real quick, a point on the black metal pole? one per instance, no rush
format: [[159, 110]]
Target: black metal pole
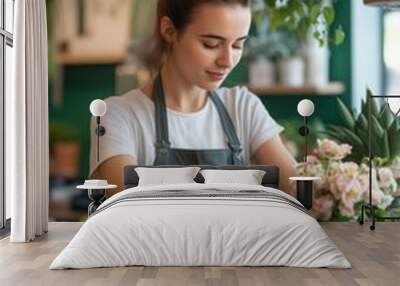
[[370, 155], [305, 138], [98, 137]]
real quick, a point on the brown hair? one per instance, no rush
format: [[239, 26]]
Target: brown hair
[[180, 13]]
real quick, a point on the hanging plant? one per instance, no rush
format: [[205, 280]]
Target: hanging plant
[[300, 16]]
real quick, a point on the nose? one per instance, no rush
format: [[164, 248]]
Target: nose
[[225, 59]]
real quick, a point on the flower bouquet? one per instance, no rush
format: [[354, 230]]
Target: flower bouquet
[[344, 185]]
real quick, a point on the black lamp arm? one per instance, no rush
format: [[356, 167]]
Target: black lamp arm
[[100, 131], [303, 131]]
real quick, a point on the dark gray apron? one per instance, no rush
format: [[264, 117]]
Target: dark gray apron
[[165, 155]]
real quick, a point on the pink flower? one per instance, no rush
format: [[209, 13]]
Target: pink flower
[[312, 159], [346, 209], [330, 149], [352, 193], [323, 207], [350, 169]]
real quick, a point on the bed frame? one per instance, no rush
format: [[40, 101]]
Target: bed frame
[[270, 179]]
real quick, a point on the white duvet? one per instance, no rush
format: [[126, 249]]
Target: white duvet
[[183, 231]]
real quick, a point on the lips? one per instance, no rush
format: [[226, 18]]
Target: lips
[[216, 75]]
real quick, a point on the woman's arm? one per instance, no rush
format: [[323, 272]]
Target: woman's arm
[[112, 170], [274, 152]]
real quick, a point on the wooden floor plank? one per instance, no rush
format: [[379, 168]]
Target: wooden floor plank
[[375, 257]]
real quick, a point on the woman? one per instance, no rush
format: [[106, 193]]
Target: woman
[[182, 117]]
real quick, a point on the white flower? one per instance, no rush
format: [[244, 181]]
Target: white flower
[[396, 171], [386, 179], [281, 3], [386, 200], [377, 197]]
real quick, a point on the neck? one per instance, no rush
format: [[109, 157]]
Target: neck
[[179, 94]]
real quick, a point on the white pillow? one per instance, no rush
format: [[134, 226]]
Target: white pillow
[[163, 176], [248, 177]]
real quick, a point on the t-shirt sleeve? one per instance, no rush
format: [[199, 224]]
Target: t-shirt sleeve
[[261, 125], [120, 136]]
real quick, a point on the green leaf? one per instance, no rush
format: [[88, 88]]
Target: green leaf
[[377, 130], [385, 148], [316, 35], [394, 139], [303, 29], [387, 117], [364, 108], [347, 136], [329, 14], [339, 36], [362, 122], [292, 24], [315, 12], [299, 8], [338, 136], [374, 104], [345, 114], [270, 3], [363, 135]]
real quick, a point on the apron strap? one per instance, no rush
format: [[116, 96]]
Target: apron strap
[[162, 135], [229, 128]]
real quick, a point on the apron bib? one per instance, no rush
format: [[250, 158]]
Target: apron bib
[[165, 155]]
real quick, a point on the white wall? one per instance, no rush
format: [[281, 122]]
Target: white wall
[[367, 41]]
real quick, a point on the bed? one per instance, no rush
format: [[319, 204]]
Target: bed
[[198, 224]]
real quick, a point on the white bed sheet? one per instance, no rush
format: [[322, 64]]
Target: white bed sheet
[[200, 231]]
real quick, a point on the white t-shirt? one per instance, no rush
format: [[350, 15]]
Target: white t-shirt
[[130, 126]]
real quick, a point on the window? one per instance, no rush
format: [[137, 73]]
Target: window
[[6, 62], [391, 55]]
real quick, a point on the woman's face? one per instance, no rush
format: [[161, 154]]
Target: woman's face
[[211, 45]]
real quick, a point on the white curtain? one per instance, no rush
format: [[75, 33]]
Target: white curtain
[[27, 144]]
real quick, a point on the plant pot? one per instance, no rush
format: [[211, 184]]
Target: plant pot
[[291, 71], [65, 160], [317, 62], [262, 72]]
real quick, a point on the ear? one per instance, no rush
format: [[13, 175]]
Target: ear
[[168, 30]]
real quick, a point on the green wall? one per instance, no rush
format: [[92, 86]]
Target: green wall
[[82, 84]]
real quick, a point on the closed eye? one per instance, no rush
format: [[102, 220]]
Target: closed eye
[[210, 45], [239, 45]]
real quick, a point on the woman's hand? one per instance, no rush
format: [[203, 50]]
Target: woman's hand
[[274, 152], [112, 170]]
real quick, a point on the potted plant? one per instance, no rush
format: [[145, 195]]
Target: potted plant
[[273, 56], [385, 131], [65, 150], [289, 58], [280, 31], [300, 17]]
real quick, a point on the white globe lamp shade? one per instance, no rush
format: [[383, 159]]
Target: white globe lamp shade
[[98, 107], [305, 107]]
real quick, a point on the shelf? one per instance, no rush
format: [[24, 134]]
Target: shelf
[[333, 88], [88, 59]]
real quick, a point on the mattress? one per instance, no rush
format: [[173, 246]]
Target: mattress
[[201, 225]]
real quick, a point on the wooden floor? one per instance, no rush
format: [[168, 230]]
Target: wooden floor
[[375, 257]]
